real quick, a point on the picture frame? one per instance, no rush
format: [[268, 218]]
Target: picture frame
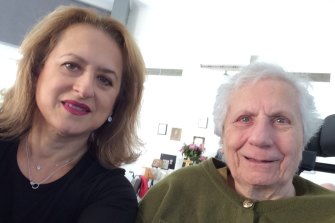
[[157, 163], [169, 161], [175, 134], [162, 128], [197, 140], [203, 122], [165, 165]]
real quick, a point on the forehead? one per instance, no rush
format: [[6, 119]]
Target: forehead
[[83, 38], [78, 29], [267, 94], [77, 34]]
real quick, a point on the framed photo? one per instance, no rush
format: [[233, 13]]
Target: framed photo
[[175, 134], [157, 163], [162, 129], [203, 122], [197, 140], [165, 165], [169, 161]]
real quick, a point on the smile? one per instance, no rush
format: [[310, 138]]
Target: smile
[[76, 108], [259, 161]]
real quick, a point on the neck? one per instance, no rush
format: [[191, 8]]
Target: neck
[[55, 148], [262, 192]]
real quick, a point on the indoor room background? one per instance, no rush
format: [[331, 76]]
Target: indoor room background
[[184, 43]]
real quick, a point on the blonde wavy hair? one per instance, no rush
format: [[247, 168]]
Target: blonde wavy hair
[[114, 144]]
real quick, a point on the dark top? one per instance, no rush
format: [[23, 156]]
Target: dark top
[[87, 193]]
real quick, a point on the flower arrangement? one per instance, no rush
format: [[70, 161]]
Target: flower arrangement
[[193, 152]]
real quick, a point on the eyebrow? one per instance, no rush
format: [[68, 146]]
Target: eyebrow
[[101, 69], [106, 70], [274, 113]]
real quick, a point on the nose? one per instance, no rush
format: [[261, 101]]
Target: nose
[[262, 134], [84, 85]]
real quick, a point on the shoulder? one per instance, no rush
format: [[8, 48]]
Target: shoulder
[[188, 175], [197, 173], [8, 143], [186, 180], [94, 182], [103, 179], [199, 185], [6, 146], [108, 194], [191, 175], [305, 187]]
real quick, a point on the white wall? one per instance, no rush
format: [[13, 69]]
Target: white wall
[[185, 33], [8, 61], [174, 32], [178, 102]]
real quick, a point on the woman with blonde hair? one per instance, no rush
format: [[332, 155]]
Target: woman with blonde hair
[[70, 121]]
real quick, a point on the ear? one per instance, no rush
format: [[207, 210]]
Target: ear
[[36, 70]]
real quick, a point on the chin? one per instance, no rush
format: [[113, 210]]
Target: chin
[[72, 132], [260, 180]]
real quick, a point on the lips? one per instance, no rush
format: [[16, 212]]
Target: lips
[[259, 160], [76, 108]]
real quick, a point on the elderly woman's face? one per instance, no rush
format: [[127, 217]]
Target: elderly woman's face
[[80, 81], [263, 134]]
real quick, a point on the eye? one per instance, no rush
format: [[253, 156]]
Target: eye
[[104, 80], [73, 67], [281, 120], [245, 119]]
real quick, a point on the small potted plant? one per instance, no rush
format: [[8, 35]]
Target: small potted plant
[[192, 153]]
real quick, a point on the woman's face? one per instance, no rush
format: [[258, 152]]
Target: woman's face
[[79, 82], [263, 134]]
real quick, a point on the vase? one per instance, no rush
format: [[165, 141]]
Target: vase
[[187, 162]]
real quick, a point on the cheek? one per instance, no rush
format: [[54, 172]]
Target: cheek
[[48, 82], [233, 140], [296, 153], [291, 147], [106, 102], [41, 90], [47, 91], [291, 144]]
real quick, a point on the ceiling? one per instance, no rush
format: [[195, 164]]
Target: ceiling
[[104, 4], [177, 33], [295, 34]]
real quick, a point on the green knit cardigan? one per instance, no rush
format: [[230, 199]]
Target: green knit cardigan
[[200, 194]]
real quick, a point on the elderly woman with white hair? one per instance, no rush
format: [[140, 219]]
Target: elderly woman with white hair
[[265, 117]]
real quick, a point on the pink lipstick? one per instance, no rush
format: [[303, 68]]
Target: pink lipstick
[[76, 108]]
